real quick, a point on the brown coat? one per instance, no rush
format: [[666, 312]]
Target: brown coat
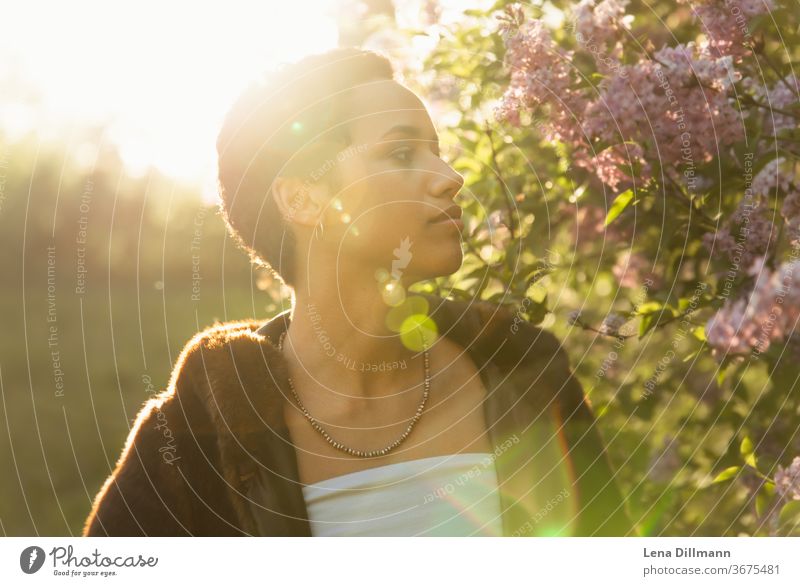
[[211, 455]]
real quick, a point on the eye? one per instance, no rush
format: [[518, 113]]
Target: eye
[[403, 154]]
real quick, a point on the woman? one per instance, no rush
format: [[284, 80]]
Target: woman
[[365, 409]]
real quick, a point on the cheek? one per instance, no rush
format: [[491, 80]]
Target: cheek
[[384, 232], [388, 184], [387, 202], [384, 208], [391, 221]]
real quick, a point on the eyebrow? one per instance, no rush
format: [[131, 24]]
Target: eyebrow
[[413, 132], [409, 131]]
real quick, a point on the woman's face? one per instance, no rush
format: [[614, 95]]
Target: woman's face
[[392, 211]]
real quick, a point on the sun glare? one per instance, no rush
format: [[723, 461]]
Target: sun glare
[[160, 74]]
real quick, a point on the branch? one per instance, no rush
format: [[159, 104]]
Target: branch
[[690, 202], [781, 77], [503, 186], [622, 337], [750, 100]]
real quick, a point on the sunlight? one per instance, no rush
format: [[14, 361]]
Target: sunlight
[[160, 74]]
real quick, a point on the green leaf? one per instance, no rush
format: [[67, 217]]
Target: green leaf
[[460, 293], [726, 474], [537, 293], [746, 446], [620, 203], [653, 313], [761, 504], [722, 372], [649, 307], [700, 333], [688, 357], [648, 323], [746, 450], [763, 500], [790, 513]]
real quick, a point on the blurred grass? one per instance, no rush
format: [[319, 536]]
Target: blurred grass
[[59, 450], [140, 239]]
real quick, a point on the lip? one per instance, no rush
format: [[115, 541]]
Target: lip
[[450, 222], [451, 214]]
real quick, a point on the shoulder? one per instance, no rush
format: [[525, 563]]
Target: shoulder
[[215, 343], [211, 369], [219, 335]]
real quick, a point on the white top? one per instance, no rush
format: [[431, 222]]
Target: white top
[[451, 495]]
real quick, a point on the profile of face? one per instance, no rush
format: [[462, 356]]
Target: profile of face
[[391, 210]]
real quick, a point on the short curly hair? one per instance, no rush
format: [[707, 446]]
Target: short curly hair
[[281, 125]]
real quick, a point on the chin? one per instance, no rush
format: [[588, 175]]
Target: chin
[[440, 263], [454, 264]]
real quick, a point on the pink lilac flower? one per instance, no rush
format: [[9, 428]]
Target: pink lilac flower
[[632, 269], [748, 234], [599, 22], [653, 110], [499, 231], [662, 109], [791, 214], [432, 12], [511, 19], [782, 95], [758, 266], [617, 165], [770, 313], [540, 77], [771, 177], [494, 233], [787, 481], [589, 225], [447, 88], [751, 230], [612, 324], [724, 23], [684, 63], [588, 219], [730, 331]]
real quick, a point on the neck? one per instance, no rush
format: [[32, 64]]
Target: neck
[[338, 337]]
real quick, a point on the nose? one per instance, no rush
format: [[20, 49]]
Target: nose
[[446, 182]]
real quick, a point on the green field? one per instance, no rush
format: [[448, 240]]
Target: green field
[[63, 442]]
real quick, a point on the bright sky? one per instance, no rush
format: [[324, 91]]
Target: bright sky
[[162, 73]]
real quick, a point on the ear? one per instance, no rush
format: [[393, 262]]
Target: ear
[[299, 201]]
